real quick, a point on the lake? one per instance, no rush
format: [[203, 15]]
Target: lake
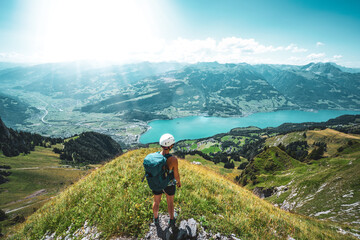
[[200, 127]]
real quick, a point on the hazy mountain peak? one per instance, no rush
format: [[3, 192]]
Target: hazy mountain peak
[[321, 68]]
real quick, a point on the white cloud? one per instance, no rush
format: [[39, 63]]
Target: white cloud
[[316, 56], [295, 49], [230, 49], [246, 46], [225, 50], [12, 57], [318, 44], [335, 57]]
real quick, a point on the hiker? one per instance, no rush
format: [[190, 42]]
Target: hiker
[[167, 142]]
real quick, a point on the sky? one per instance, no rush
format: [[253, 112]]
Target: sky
[[256, 31]]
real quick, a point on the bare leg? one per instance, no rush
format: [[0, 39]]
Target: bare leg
[[157, 199], [170, 204]]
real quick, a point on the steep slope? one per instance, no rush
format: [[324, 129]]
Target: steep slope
[[114, 199], [89, 147], [326, 188], [12, 143], [14, 111], [349, 81], [268, 162], [319, 86]]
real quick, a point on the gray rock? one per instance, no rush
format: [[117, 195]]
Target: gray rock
[[217, 236], [202, 235], [233, 237], [160, 231], [263, 192], [183, 233], [187, 229], [68, 237], [192, 225]]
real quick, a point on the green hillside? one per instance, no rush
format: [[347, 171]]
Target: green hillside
[[114, 199], [268, 162], [326, 188], [34, 179]]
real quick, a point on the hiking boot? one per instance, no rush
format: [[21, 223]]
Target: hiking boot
[[172, 222], [156, 221]]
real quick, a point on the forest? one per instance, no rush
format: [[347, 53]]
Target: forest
[[88, 148]]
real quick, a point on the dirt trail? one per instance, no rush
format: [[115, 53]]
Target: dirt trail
[[16, 209]]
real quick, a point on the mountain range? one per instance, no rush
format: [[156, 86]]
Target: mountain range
[[66, 96], [237, 89]]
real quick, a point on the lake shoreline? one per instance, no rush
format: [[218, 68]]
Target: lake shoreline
[[196, 127]]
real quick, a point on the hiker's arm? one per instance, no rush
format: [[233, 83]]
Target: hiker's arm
[[176, 173]]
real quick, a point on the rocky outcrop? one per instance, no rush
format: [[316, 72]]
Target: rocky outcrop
[[263, 192], [86, 233], [186, 229]]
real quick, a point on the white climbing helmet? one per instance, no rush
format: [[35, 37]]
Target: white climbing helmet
[[167, 140]]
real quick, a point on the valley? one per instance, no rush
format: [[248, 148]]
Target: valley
[[63, 99], [294, 185], [294, 166], [35, 179]]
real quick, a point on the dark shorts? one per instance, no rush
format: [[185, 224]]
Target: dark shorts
[[169, 190]]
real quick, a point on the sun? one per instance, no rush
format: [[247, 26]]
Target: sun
[[93, 29]]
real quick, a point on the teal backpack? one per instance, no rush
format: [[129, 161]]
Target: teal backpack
[[155, 171]]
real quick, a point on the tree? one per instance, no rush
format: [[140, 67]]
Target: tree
[[229, 165], [243, 165], [317, 153], [2, 215]]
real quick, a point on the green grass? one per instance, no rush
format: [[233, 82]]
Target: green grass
[[72, 138], [320, 186], [285, 139], [226, 138], [44, 157], [153, 145], [115, 200], [274, 159], [194, 146], [30, 173], [212, 149], [218, 168], [25, 182]]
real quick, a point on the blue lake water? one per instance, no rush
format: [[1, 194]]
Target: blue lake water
[[201, 127]]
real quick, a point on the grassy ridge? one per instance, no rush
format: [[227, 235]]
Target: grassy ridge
[[115, 200]]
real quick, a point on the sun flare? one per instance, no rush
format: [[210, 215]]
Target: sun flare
[[83, 29]]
